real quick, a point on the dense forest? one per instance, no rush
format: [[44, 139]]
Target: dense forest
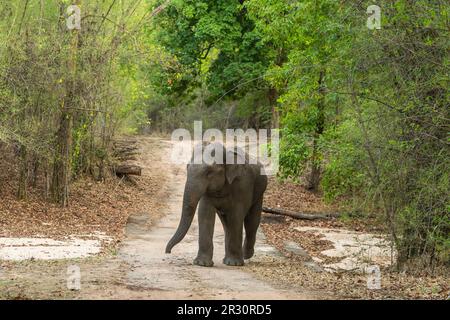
[[362, 104]]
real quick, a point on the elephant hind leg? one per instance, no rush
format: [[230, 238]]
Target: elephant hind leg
[[251, 224]]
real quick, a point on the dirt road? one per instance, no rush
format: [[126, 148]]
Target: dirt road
[[174, 275]]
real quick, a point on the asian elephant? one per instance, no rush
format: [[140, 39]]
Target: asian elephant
[[233, 191]]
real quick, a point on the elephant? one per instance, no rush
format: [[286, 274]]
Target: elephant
[[232, 191]]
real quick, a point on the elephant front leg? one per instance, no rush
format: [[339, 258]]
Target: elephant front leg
[[206, 221], [233, 240]]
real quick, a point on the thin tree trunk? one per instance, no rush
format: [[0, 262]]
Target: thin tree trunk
[[273, 97], [47, 179], [316, 163], [230, 113], [62, 164], [34, 170], [23, 174], [273, 92]]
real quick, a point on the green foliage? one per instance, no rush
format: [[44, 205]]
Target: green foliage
[[344, 172], [363, 114], [191, 30], [51, 77], [215, 55], [378, 128], [293, 153]]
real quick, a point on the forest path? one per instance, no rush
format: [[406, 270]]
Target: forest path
[[173, 275]]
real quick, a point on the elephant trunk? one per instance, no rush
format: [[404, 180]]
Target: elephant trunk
[[190, 201]]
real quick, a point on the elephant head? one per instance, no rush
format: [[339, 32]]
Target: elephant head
[[202, 178]]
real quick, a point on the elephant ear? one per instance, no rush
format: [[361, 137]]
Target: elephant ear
[[235, 168]]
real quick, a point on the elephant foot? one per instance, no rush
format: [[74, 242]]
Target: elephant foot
[[248, 253], [233, 261], [203, 262]]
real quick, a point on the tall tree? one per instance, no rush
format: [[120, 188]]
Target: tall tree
[[217, 46]]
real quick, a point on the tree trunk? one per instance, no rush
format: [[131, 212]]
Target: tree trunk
[[316, 163], [230, 113], [23, 174], [273, 97], [273, 92], [47, 181], [34, 170], [62, 163]]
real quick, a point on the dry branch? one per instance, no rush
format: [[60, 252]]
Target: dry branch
[[298, 215]]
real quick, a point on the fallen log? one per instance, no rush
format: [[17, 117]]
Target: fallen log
[[127, 169], [126, 156], [122, 149], [125, 152], [131, 151], [125, 141], [298, 215]]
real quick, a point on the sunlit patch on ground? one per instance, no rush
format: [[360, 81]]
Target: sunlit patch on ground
[[357, 250], [79, 246]]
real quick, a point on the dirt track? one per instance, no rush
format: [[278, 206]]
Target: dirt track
[[174, 275]]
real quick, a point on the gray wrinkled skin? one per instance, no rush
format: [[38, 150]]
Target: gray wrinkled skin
[[232, 191]]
